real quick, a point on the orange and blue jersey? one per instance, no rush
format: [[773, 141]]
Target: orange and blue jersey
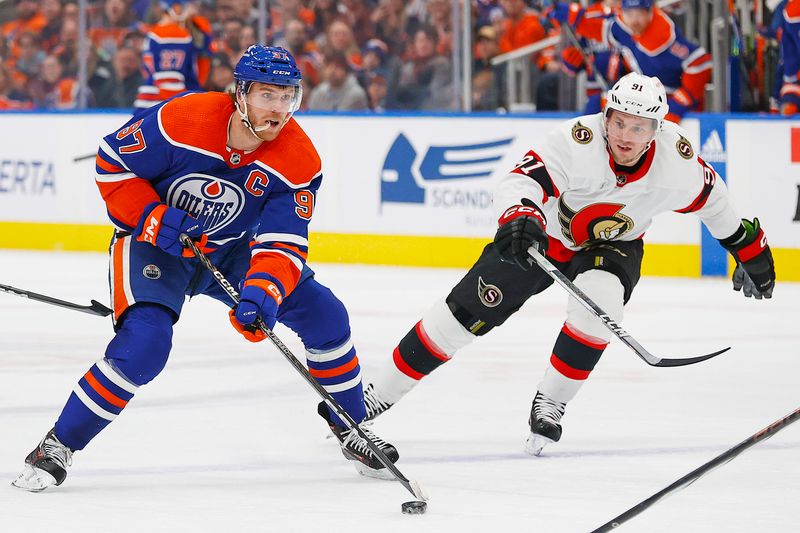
[[177, 153], [683, 67], [175, 59]]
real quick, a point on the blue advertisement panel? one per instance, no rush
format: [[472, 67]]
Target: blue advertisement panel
[[713, 150]]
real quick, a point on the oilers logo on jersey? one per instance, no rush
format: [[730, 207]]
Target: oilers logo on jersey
[[213, 201]]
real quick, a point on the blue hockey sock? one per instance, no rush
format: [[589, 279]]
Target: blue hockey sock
[[339, 374]]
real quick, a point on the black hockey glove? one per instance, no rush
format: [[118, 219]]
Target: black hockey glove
[[755, 268], [521, 227]]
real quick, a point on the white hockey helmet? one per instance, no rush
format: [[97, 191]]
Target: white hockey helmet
[[640, 95]]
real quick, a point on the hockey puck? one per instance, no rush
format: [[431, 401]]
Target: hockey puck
[[415, 507]]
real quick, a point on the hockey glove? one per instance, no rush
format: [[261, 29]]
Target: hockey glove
[[261, 296], [162, 226], [572, 60], [521, 227], [755, 268]]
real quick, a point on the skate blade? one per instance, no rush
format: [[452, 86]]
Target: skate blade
[[536, 443], [33, 479], [381, 473]]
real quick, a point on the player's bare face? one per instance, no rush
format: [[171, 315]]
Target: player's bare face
[[628, 136], [268, 108], [637, 19]]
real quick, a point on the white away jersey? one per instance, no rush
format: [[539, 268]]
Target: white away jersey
[[572, 177]]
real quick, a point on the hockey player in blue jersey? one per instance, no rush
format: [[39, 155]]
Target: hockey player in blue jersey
[[236, 173]]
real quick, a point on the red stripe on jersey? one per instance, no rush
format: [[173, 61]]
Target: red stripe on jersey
[[567, 371], [429, 344], [403, 367], [580, 337], [107, 395], [334, 372], [795, 145]]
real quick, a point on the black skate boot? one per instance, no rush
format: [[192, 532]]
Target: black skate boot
[[544, 421], [375, 405], [46, 465], [356, 449]]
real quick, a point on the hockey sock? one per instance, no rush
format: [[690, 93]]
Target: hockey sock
[[574, 357], [100, 395], [339, 374], [430, 343]]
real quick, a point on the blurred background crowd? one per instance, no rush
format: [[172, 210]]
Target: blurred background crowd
[[433, 55]]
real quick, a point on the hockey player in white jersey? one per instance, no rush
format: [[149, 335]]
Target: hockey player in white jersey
[[585, 196]]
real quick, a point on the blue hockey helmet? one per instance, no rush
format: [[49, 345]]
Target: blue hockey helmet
[[273, 66], [637, 4], [176, 8], [267, 64]]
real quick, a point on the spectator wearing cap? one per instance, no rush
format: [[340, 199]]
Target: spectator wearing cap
[[426, 81], [486, 78], [377, 61], [340, 91]]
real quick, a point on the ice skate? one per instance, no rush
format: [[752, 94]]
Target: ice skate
[[46, 465], [356, 449], [544, 421], [374, 403]]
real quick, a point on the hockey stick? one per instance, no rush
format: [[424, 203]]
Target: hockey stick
[[608, 322], [697, 473], [412, 486], [96, 308], [79, 158]]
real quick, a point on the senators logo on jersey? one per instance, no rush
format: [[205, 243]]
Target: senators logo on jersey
[[594, 223]]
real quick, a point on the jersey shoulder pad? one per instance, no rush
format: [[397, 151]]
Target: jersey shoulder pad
[[659, 35], [676, 142], [291, 156], [199, 120], [582, 131], [202, 24], [792, 11], [162, 32]]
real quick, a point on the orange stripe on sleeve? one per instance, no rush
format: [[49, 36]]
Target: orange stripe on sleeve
[[108, 167]]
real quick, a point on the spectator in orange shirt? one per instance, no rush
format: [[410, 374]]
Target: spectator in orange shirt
[[521, 26], [10, 96], [29, 19]]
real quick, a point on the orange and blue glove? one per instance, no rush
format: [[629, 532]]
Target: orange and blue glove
[[261, 295], [162, 226]]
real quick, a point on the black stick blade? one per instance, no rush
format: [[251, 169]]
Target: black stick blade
[[690, 360]]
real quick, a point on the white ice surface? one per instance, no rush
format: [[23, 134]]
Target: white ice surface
[[227, 438]]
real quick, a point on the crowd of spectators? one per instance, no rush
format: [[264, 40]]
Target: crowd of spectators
[[354, 54]]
